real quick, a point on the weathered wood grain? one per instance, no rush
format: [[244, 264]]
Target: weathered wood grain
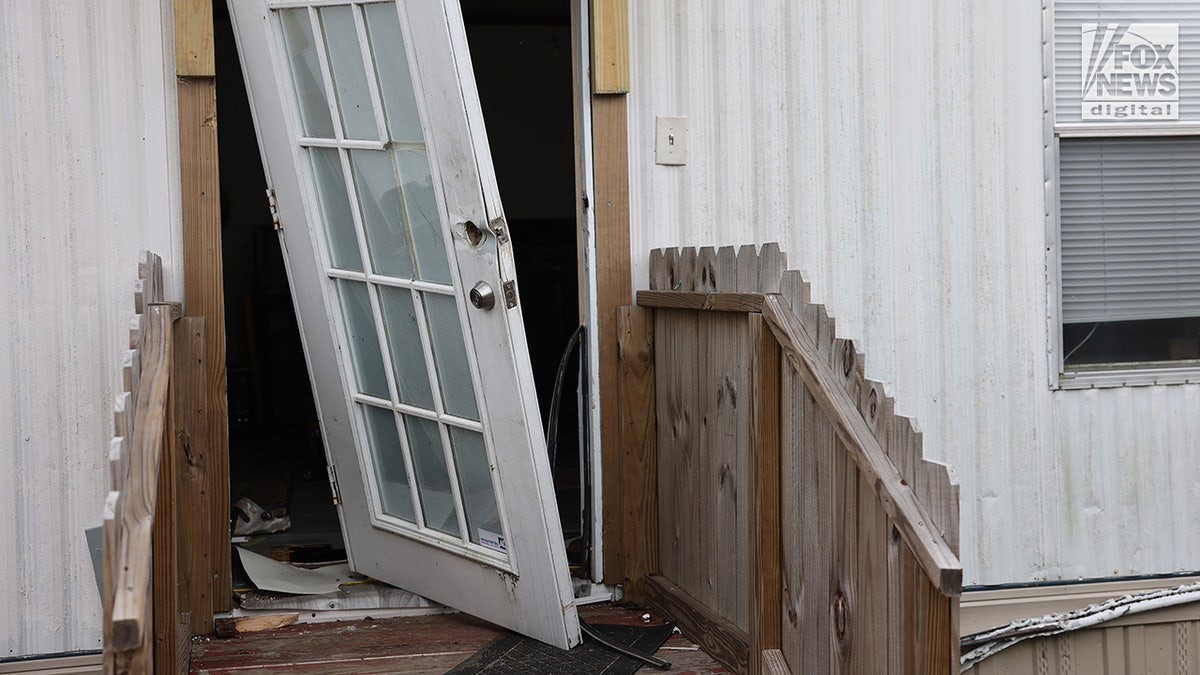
[[747, 270], [771, 264], [659, 273], [774, 663], [166, 588], [715, 634], [706, 301], [677, 403], [635, 355], [726, 364], [764, 565], [911, 517], [133, 589], [613, 290], [190, 449]]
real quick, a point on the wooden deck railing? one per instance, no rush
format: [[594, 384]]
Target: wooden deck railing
[[154, 580], [774, 504]]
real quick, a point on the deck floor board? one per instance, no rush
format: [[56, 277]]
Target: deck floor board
[[411, 645]]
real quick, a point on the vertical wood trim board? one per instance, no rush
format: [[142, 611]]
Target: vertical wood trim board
[[635, 350], [191, 457], [765, 584], [610, 46], [204, 296], [194, 53], [613, 279]]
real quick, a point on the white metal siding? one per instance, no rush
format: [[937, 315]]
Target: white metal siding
[[88, 176], [895, 151]]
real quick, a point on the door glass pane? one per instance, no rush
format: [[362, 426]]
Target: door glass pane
[[384, 440], [364, 343], [382, 213], [433, 481], [404, 338], [391, 65], [475, 485], [306, 73], [349, 79], [454, 371], [335, 209], [420, 205]]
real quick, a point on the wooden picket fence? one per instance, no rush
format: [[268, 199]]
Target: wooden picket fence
[[774, 504], [157, 583]]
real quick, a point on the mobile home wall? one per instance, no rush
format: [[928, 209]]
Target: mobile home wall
[[88, 177], [896, 152]]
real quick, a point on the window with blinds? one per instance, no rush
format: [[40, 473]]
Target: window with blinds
[[1125, 103]]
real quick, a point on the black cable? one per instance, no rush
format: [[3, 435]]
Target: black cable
[[644, 658], [556, 396]]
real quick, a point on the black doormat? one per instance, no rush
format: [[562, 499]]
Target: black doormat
[[519, 655]]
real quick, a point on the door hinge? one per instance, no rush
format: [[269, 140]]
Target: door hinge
[[500, 231], [333, 485], [510, 294], [274, 205]]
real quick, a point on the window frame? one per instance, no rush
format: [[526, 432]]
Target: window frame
[[1097, 375]]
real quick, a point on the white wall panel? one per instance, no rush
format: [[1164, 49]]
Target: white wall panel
[[895, 151], [88, 177]]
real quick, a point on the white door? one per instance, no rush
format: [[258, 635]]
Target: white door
[[402, 274]]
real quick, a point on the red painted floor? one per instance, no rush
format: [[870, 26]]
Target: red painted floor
[[426, 644]]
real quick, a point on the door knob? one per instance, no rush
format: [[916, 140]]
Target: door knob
[[482, 296]]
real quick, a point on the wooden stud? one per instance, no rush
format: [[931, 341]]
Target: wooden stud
[[610, 47], [194, 53], [715, 635], [190, 448], [764, 568], [613, 278], [635, 352], [204, 296]]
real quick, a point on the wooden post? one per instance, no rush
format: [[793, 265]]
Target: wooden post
[[635, 353], [610, 46], [190, 450], [166, 588], [202, 267], [613, 270], [766, 591]]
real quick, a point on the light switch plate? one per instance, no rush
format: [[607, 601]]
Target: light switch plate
[[670, 140]]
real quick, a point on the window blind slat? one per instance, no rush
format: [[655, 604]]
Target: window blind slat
[[1130, 243]]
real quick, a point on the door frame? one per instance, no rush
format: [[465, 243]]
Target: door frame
[[600, 176]]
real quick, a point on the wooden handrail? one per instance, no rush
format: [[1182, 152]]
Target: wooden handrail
[[931, 549], [139, 492]]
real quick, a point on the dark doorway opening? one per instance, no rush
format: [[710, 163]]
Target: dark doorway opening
[[522, 54]]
